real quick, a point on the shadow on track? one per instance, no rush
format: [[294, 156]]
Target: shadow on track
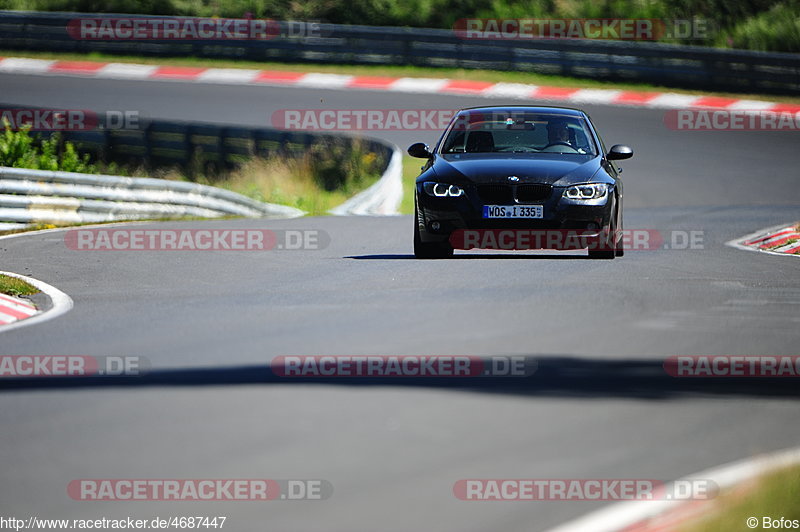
[[473, 256], [561, 377]]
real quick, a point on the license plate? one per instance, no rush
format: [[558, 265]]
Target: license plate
[[513, 211]]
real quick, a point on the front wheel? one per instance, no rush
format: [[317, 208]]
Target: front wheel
[[608, 249], [430, 250]]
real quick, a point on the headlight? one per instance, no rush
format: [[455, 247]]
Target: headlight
[[589, 191], [442, 190]]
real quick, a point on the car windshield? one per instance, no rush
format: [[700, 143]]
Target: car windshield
[[518, 132]]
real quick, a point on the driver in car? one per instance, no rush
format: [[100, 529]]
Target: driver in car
[[557, 131]]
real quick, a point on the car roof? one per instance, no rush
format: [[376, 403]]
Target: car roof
[[527, 108]]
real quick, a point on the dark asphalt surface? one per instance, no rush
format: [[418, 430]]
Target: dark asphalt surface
[[209, 321]]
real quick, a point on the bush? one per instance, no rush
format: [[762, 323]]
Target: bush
[[18, 149], [343, 165], [757, 24], [775, 30]]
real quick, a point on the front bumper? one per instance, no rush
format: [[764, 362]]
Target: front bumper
[[442, 219]]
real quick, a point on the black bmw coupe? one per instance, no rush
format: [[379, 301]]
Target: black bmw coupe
[[519, 177]]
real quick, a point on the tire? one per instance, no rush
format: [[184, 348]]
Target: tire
[[602, 254], [610, 246], [430, 250]]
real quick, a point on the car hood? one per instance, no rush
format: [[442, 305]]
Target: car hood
[[552, 169]]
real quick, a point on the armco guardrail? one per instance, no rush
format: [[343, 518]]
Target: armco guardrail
[[670, 65], [33, 196], [383, 197], [37, 196]]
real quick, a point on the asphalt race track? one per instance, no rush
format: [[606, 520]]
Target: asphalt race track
[[209, 322]]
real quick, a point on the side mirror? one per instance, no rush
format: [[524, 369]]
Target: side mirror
[[420, 150], [619, 152]]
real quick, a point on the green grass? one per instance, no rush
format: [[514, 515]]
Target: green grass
[[16, 287], [411, 170], [293, 182], [789, 243], [494, 76], [775, 495], [32, 227]]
